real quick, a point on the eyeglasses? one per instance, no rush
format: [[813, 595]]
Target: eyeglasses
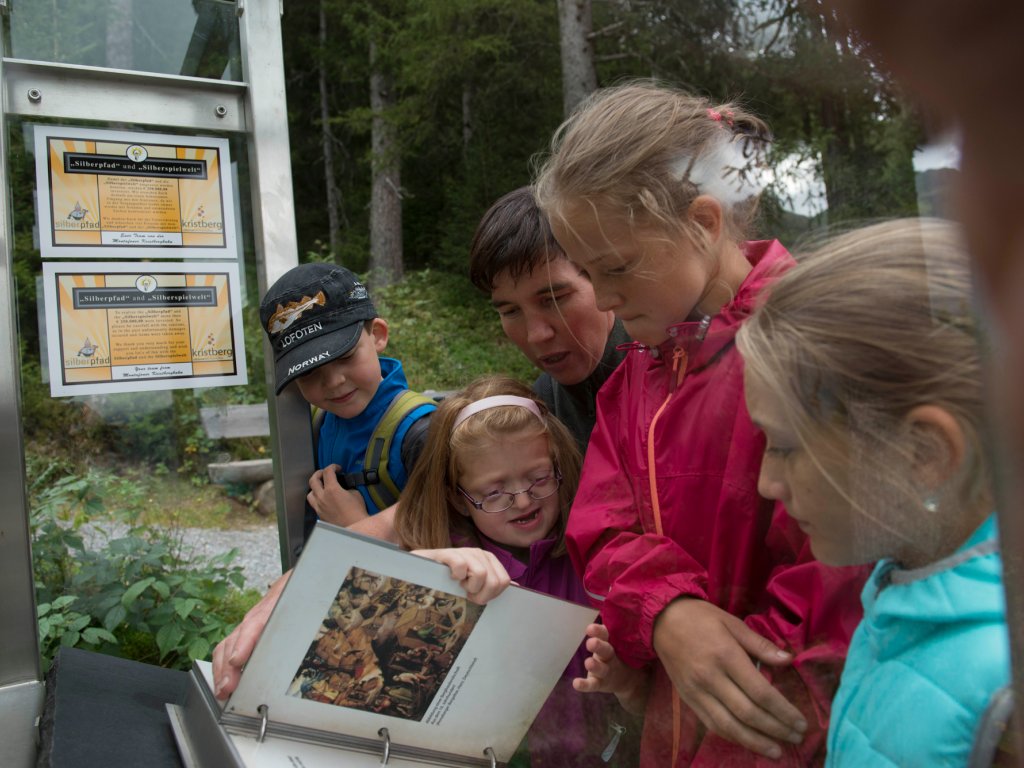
[[499, 501]]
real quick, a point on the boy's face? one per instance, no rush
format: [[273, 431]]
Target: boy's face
[[346, 386], [551, 315]]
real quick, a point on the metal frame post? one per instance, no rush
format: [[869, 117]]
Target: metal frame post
[[277, 251], [21, 692]]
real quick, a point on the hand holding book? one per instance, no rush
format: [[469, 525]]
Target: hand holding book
[[478, 572]]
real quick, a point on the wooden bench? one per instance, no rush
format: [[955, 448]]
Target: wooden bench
[[253, 420], [228, 421]]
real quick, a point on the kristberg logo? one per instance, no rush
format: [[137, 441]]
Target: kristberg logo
[[202, 224], [311, 361]]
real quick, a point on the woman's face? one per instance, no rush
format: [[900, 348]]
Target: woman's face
[[818, 481], [513, 465]]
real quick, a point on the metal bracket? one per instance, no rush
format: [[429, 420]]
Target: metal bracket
[[383, 733], [264, 711]]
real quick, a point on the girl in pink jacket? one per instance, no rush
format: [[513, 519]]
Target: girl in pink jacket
[[706, 588]]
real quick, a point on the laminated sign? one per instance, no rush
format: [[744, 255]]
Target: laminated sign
[[127, 327], [119, 194]]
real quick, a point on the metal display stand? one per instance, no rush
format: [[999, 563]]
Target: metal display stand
[[255, 110]]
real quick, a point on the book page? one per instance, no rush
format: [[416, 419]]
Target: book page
[[368, 636]]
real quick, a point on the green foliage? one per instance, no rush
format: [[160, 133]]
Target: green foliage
[[59, 625], [477, 93], [445, 332], [136, 594]]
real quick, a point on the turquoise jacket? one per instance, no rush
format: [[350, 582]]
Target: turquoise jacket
[[924, 662]]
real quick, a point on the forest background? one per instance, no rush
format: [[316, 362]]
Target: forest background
[[407, 119]]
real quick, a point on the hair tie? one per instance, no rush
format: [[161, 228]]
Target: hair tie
[[717, 116], [495, 401]]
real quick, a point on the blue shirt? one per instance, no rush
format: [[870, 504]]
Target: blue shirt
[[344, 441]]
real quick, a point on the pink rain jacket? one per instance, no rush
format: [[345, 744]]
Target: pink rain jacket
[[720, 541]]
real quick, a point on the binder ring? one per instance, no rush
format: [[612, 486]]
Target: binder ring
[[264, 711], [383, 733], [489, 752]]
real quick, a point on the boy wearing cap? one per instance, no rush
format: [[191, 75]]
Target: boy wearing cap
[[327, 336]]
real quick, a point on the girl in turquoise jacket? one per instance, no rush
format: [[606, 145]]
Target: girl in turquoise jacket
[[863, 369]]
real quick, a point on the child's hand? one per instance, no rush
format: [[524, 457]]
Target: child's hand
[[331, 502], [707, 654], [478, 572], [607, 674]]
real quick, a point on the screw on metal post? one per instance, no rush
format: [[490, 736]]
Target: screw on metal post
[[35, 95], [220, 110]]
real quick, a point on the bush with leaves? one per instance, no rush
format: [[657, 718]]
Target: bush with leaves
[[135, 595]]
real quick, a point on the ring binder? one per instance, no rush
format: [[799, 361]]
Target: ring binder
[[264, 713], [342, 698]]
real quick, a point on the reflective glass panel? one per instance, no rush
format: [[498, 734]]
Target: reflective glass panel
[[197, 38]]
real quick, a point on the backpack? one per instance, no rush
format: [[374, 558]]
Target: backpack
[[374, 475]]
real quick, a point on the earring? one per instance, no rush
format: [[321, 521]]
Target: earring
[[931, 503]]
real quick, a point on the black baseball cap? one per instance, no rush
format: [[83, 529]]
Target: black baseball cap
[[313, 315]]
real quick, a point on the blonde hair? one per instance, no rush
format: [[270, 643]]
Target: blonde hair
[[430, 511], [869, 326], [648, 151]]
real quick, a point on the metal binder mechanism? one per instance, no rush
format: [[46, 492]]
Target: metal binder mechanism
[[264, 711], [383, 733]]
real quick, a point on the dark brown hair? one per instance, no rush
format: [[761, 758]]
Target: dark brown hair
[[512, 236]]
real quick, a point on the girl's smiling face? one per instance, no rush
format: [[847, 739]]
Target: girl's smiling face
[[511, 465], [650, 278]]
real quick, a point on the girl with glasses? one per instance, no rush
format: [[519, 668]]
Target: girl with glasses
[[490, 498]]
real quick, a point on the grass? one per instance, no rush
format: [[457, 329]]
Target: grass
[[446, 333], [179, 501]]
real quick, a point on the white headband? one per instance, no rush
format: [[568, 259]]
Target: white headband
[[493, 402]]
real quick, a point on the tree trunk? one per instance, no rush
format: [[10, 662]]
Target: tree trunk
[[386, 197], [864, 176], [119, 52], [579, 77], [327, 141]]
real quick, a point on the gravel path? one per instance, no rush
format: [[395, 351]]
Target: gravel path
[[258, 552]]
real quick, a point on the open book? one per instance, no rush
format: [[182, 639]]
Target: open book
[[377, 653]]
